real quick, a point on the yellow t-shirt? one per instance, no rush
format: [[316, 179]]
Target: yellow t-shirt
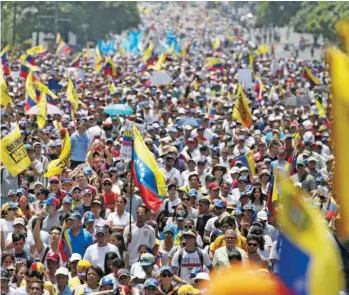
[[74, 282], [220, 242]]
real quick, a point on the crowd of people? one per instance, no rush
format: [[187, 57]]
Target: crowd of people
[[215, 215]]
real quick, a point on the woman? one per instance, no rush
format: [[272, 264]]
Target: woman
[[55, 189], [9, 212], [167, 244], [114, 180], [120, 218], [166, 278], [258, 199], [219, 173], [104, 211], [19, 276], [188, 202], [94, 274], [180, 213], [96, 208], [245, 172], [265, 178], [117, 239], [7, 259], [108, 262], [27, 209], [96, 182]]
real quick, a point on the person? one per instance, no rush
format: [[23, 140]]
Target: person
[[204, 215], [73, 265], [252, 255], [6, 224], [188, 257], [19, 226], [93, 275], [52, 260], [142, 233], [81, 277], [117, 239], [108, 195], [61, 287], [96, 209], [36, 288], [80, 141], [87, 197], [167, 285], [18, 239], [80, 239], [108, 262], [5, 280], [19, 275], [136, 200], [52, 205], [167, 244], [302, 176], [171, 172], [96, 253], [221, 255], [120, 218], [106, 283]]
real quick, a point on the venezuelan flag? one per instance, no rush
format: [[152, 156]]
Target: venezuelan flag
[[27, 63], [214, 64], [308, 75], [305, 268], [76, 62], [146, 174], [332, 210], [110, 68], [292, 160], [270, 193], [63, 48], [149, 57], [4, 60], [64, 245], [41, 50], [248, 161]]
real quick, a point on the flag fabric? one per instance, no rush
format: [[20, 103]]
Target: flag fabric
[[76, 61], [42, 111], [32, 95], [110, 68], [308, 75], [332, 210], [41, 49], [58, 39], [72, 95], [292, 160], [161, 61], [322, 112], [63, 48], [262, 50], [5, 99], [146, 174], [27, 65], [342, 29], [13, 153], [4, 60], [308, 253], [149, 57], [248, 161], [56, 167], [214, 64], [241, 110], [271, 194], [98, 60], [87, 53], [339, 74], [64, 244], [217, 45]]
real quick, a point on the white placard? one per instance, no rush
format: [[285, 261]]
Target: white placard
[[245, 78], [127, 140]]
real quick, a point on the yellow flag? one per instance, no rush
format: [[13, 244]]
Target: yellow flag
[[56, 167], [342, 28], [29, 86], [5, 49], [159, 64], [339, 73], [58, 38], [42, 111], [13, 153], [72, 95], [5, 99], [43, 88], [98, 60], [304, 237], [58, 125], [241, 110], [37, 49]]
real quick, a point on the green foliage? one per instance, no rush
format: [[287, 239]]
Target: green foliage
[[89, 20]]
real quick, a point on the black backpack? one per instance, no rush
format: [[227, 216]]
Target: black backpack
[[162, 215]]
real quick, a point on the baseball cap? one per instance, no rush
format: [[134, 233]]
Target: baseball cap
[[10, 205], [196, 270], [202, 276], [169, 228], [242, 178], [243, 194], [20, 191], [213, 186], [300, 162], [101, 230], [4, 274], [189, 233], [86, 191], [147, 259], [52, 201], [76, 187], [19, 221], [67, 180], [193, 192], [262, 215], [75, 257], [219, 203], [52, 256], [166, 268], [62, 271], [67, 200], [11, 192], [106, 281], [234, 170], [238, 212], [151, 283], [89, 217], [122, 272], [312, 159], [54, 179], [75, 216], [248, 207], [82, 266]]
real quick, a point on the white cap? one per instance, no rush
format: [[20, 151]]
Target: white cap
[[75, 257], [262, 215], [234, 170], [62, 271], [19, 221], [312, 159], [202, 276]]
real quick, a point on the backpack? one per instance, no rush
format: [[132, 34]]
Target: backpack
[[180, 256], [164, 213]]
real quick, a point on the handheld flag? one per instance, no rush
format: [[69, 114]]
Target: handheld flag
[[4, 60], [56, 167], [63, 48], [146, 174], [98, 60], [249, 162], [42, 111], [308, 74], [58, 39], [110, 68], [64, 244], [217, 45], [161, 61], [87, 54], [304, 238], [241, 110], [149, 57], [72, 95], [13, 153], [214, 64], [339, 73], [342, 28], [76, 62], [322, 112], [5, 99], [41, 49], [43, 88]]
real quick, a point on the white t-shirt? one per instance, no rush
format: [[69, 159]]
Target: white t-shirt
[[116, 220], [96, 255], [29, 242], [173, 173], [210, 224], [189, 261], [138, 272], [140, 235], [171, 204], [98, 221], [6, 227], [41, 256]]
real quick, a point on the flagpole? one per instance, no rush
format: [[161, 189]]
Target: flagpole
[[131, 192]]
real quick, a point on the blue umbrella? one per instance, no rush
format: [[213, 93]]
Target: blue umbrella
[[118, 110], [189, 121]]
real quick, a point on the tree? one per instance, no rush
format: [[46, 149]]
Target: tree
[[88, 20]]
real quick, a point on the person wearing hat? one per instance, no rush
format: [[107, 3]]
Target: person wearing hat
[[19, 226], [145, 268], [96, 252], [169, 171], [73, 263], [307, 180], [123, 276], [81, 277], [35, 171], [52, 205], [241, 148], [67, 184], [189, 255], [106, 283], [96, 209], [62, 277], [201, 280], [76, 194], [86, 197], [5, 278], [213, 189], [89, 223], [10, 210], [236, 192], [311, 165], [67, 204], [53, 262], [281, 162]]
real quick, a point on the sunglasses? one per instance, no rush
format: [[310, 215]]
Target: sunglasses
[[252, 244], [188, 226], [12, 209], [166, 275], [54, 182], [186, 199], [107, 184]]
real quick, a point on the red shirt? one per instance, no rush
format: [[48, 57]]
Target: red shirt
[[109, 200]]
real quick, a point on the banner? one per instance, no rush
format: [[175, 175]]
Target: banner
[[241, 110], [13, 154], [56, 166], [127, 140]]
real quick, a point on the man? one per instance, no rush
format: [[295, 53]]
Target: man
[[136, 200], [171, 172], [142, 233], [80, 141], [302, 176], [52, 260], [280, 163], [36, 288], [96, 252], [95, 131], [5, 280], [83, 181], [205, 215], [191, 168], [221, 255], [19, 226], [169, 205], [213, 191], [108, 195], [18, 240], [62, 277], [81, 277], [234, 197], [52, 219], [252, 255], [202, 171], [39, 156], [189, 257], [34, 172], [80, 239], [151, 286], [268, 229], [86, 202], [240, 148], [190, 151], [311, 163], [146, 267]]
